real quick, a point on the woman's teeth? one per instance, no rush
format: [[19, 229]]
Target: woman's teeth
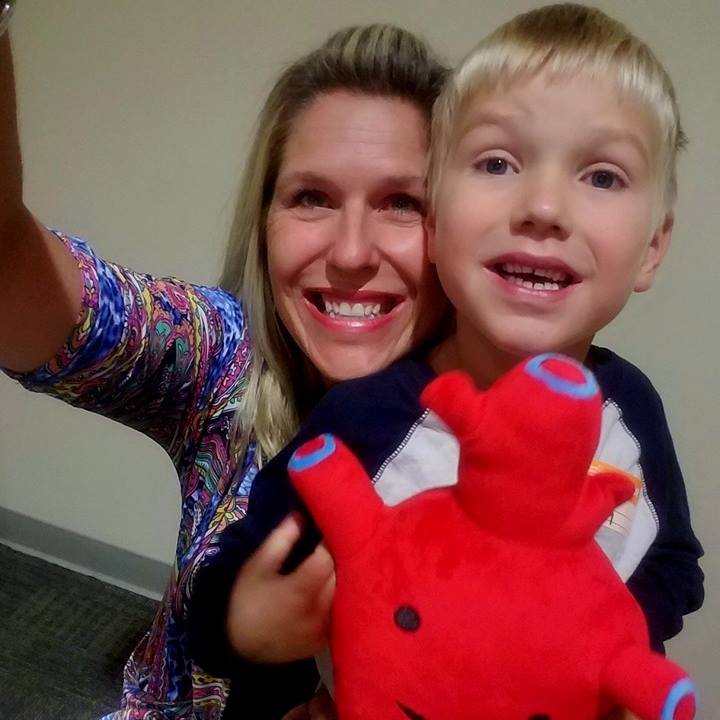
[[345, 309]]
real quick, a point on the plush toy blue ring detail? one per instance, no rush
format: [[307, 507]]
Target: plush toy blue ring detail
[[303, 462], [581, 391], [681, 689]]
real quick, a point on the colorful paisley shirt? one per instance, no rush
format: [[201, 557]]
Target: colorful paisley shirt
[[168, 359]]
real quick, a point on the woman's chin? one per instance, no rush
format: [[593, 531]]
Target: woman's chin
[[348, 363]]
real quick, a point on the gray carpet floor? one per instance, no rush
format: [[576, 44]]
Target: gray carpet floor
[[64, 639]]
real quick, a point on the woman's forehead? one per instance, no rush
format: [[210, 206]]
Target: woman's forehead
[[349, 128]]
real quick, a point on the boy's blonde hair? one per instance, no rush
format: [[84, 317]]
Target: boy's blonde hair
[[564, 39]]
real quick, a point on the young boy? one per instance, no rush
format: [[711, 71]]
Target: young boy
[[552, 183]]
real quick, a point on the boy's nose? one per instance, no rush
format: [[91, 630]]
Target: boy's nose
[[352, 247], [541, 211]]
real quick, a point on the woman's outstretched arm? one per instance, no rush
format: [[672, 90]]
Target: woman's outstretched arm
[[40, 284]]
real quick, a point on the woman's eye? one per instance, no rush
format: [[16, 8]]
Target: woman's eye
[[605, 180], [310, 199], [494, 166], [404, 205]]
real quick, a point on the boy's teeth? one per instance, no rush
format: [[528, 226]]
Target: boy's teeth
[[551, 278], [529, 285]]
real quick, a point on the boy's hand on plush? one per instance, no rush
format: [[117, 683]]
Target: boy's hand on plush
[[274, 618]]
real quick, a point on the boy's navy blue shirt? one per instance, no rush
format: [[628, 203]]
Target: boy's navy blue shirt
[[380, 418]]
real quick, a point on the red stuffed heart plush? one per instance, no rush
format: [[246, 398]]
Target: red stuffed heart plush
[[489, 599]]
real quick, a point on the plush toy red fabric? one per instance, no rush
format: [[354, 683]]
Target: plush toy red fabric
[[489, 600]]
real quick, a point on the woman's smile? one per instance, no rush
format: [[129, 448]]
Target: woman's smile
[[362, 311]]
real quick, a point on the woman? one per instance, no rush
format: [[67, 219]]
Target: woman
[[327, 280]]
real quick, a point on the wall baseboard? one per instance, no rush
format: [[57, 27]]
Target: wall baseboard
[[82, 554]]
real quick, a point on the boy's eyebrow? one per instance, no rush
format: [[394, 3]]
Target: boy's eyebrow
[[595, 134], [491, 117], [609, 134]]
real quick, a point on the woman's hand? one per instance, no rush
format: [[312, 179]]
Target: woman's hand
[[274, 618], [320, 707]]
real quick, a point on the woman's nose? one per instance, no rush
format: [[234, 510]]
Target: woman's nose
[[542, 208], [353, 246]]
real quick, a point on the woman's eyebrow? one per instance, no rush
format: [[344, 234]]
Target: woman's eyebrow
[[403, 180], [300, 176], [310, 177]]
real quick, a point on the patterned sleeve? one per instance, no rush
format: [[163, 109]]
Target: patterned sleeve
[[150, 353]]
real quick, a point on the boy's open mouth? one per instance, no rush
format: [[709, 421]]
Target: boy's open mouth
[[534, 278], [338, 306]]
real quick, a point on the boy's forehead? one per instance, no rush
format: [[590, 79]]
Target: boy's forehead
[[516, 103]]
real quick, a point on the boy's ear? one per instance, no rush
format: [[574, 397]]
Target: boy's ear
[[655, 254], [430, 234]]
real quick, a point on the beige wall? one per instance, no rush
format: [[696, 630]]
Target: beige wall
[[135, 117]]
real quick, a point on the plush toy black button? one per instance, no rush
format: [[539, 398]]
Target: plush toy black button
[[407, 618]]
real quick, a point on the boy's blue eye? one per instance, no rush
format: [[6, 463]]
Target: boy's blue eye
[[604, 179], [495, 166]]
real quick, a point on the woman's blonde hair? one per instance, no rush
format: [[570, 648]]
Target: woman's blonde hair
[[382, 60], [564, 39]]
